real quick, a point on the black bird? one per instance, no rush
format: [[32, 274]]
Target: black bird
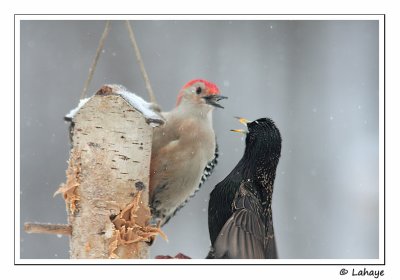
[[239, 210]]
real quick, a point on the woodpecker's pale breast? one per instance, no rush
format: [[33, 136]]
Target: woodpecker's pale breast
[[182, 148]]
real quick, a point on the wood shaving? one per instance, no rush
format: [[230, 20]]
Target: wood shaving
[[88, 247], [73, 181], [131, 228]]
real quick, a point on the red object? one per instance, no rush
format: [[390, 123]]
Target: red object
[[178, 256], [211, 87]]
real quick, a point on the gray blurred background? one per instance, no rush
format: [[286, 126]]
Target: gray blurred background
[[317, 79]]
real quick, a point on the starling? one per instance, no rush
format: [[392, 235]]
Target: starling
[[239, 211]]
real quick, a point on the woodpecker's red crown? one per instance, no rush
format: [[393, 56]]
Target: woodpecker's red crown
[[211, 88]]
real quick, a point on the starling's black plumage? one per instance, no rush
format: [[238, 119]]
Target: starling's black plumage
[[239, 211]]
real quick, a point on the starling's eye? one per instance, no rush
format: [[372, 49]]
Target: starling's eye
[[198, 90]]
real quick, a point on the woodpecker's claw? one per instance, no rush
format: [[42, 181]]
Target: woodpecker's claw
[[155, 222]]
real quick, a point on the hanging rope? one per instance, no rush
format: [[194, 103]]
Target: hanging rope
[[138, 57], [140, 61], [96, 58]]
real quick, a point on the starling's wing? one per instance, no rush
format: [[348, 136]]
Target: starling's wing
[[270, 243], [242, 236], [220, 204]]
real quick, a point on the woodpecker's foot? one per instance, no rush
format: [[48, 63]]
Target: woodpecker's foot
[[151, 241], [154, 222], [178, 256]]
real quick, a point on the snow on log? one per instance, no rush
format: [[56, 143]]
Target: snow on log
[[106, 191]]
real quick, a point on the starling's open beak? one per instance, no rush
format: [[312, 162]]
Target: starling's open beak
[[213, 99], [239, 130], [243, 121]]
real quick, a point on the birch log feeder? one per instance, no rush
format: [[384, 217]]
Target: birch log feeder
[[106, 190]]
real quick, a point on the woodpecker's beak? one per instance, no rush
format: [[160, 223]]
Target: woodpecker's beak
[[213, 99], [243, 121]]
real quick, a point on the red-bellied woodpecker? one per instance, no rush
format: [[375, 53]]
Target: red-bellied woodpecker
[[184, 151]]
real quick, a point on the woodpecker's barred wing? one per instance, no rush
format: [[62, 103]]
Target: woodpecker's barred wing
[[243, 235], [208, 170]]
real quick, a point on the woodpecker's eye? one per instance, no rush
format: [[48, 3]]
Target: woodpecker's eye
[[198, 90]]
